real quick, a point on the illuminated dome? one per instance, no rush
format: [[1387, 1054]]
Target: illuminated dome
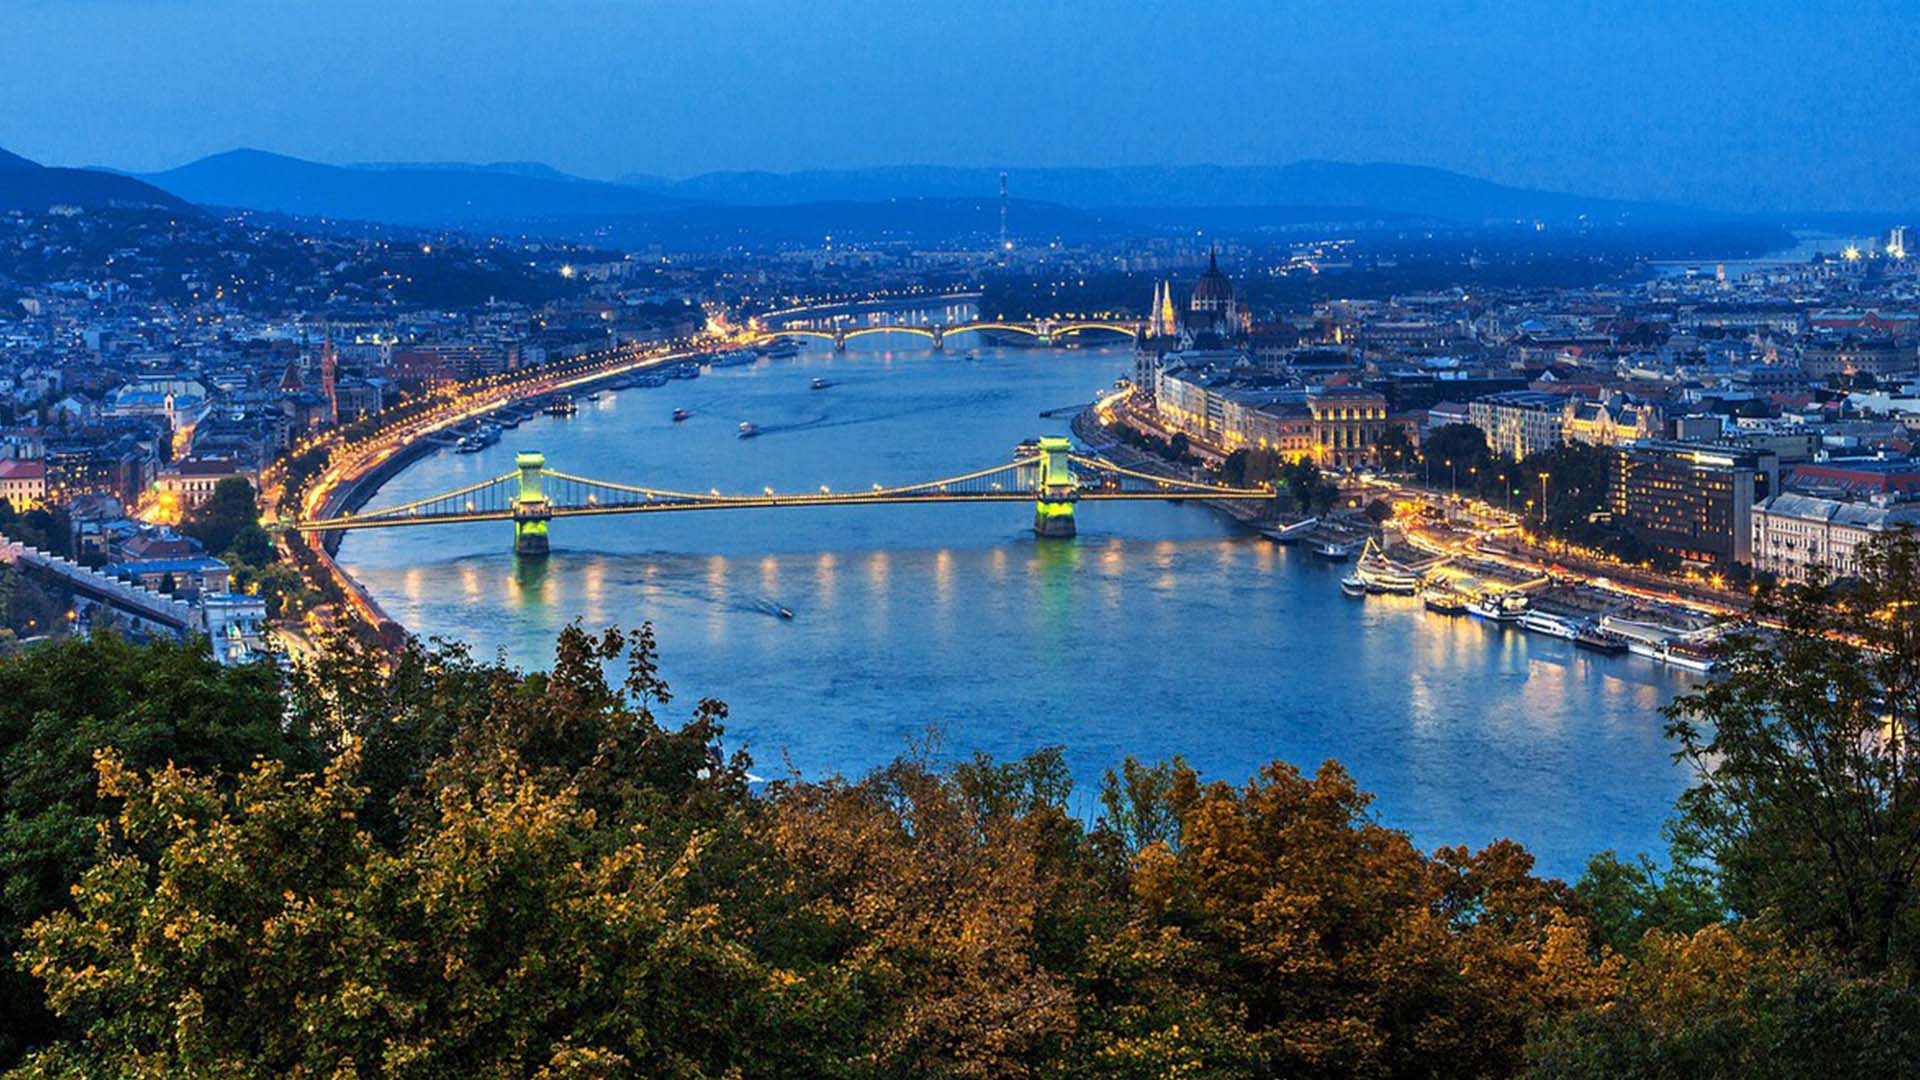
[[1213, 292]]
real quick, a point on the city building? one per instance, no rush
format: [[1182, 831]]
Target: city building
[[23, 483], [1849, 356], [1347, 425], [1519, 423], [1692, 501], [184, 485], [1795, 535], [1610, 421]]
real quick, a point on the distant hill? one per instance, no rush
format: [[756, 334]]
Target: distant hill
[[1379, 188], [28, 185], [432, 195], [926, 221], [537, 198]]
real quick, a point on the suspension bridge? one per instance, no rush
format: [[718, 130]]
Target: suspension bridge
[[1048, 472]]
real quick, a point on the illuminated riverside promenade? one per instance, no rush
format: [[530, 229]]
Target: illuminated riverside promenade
[[350, 458], [1163, 628]]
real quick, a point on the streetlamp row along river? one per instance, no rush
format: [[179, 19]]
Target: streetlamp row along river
[[1161, 630]]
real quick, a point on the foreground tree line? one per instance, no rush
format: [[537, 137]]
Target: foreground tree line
[[456, 869]]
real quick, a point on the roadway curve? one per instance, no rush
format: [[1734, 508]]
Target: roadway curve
[[354, 467]]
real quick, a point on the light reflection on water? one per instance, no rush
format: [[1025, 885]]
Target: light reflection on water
[[1162, 630]]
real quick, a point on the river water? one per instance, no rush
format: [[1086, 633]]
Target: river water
[[1161, 630]]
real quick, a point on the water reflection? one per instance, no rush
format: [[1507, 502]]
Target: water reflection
[[1161, 630]]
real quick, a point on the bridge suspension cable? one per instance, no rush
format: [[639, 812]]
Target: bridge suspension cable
[[559, 494]]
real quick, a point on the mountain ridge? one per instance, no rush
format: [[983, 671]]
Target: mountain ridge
[[26, 184], [441, 196]]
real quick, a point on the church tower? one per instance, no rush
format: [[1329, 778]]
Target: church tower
[[329, 370]]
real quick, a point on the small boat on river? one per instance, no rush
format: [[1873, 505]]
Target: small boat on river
[[679, 415], [747, 430], [1287, 534], [1336, 550]]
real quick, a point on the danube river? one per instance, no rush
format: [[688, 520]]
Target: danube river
[[1161, 630]]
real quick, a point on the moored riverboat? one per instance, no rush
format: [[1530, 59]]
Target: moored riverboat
[[1605, 642], [1336, 550], [1549, 624], [1498, 607]]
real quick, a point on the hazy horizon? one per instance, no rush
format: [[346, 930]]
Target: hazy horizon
[[1761, 106]]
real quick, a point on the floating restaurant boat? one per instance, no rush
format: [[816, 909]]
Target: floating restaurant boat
[[686, 370], [1382, 575], [1498, 607], [1287, 534], [562, 405], [1546, 622], [733, 358], [1443, 601], [1697, 656], [1601, 641]]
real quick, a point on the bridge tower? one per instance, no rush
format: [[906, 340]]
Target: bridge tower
[[1045, 335], [1058, 490], [839, 339], [939, 338], [531, 510]]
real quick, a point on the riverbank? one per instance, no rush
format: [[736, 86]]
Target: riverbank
[[355, 468]]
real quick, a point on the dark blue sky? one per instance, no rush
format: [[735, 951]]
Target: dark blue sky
[[1762, 104]]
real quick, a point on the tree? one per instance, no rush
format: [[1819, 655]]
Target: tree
[[228, 510], [152, 704], [1462, 445], [252, 546], [1285, 933], [1394, 450], [1735, 1002], [1625, 901], [1807, 780], [513, 938]]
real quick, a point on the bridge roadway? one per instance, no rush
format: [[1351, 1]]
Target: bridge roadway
[[1044, 331], [353, 463], [1053, 477]]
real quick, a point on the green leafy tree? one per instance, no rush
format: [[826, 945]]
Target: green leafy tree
[[1807, 778], [152, 704], [219, 521], [1453, 451]]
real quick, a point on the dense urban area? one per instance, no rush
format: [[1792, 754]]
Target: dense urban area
[[250, 827]]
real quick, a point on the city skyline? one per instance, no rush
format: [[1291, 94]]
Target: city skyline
[[1695, 108]]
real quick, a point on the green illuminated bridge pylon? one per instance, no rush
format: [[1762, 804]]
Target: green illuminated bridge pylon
[[1048, 473]]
